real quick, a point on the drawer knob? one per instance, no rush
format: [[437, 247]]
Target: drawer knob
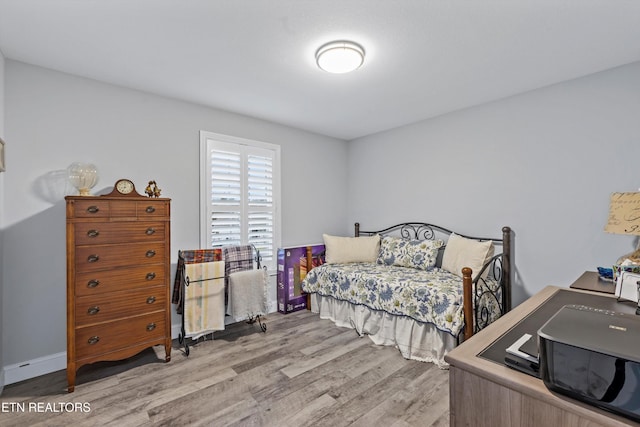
[[151, 276], [151, 327], [93, 340], [93, 233], [93, 209], [93, 258], [150, 231], [93, 283], [150, 209], [93, 310], [151, 300], [150, 253]]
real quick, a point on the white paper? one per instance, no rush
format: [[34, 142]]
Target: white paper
[[627, 286], [515, 349]]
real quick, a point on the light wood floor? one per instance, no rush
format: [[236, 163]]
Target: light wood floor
[[303, 372]]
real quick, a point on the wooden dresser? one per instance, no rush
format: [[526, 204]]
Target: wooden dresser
[[118, 278]]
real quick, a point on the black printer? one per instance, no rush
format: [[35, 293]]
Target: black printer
[[593, 355]]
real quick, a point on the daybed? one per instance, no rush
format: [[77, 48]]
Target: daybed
[[416, 286]]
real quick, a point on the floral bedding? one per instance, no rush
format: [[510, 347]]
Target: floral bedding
[[433, 296]]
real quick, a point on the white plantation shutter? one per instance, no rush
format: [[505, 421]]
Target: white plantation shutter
[[260, 215], [226, 199], [240, 186]]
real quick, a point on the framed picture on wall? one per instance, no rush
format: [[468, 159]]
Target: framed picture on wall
[[2, 165]]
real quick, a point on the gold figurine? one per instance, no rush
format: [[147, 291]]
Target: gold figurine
[[152, 189]]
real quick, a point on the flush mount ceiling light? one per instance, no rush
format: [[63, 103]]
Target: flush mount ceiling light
[[340, 57]]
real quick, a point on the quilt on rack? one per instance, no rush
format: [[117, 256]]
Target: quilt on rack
[[247, 294], [433, 296], [193, 256], [237, 258], [204, 298]]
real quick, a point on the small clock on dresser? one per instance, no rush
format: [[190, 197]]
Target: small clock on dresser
[[124, 187]]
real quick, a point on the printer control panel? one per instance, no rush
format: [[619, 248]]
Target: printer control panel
[[594, 310]]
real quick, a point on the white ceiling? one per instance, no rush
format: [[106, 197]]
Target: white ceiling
[[256, 57]]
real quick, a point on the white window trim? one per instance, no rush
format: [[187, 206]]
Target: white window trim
[[205, 187]]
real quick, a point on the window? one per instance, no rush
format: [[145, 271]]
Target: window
[[240, 194]]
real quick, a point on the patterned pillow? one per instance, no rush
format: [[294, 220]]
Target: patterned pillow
[[420, 254]]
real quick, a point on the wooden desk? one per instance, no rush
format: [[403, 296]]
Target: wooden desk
[[486, 393], [591, 281]]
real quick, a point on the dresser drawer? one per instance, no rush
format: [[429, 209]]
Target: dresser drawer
[[90, 233], [90, 208], [100, 257], [98, 282], [150, 209], [122, 211], [112, 336], [93, 309]]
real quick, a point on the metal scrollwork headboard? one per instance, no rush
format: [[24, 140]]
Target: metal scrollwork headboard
[[407, 230]]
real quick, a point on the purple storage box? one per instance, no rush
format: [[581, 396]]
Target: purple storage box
[[292, 269]]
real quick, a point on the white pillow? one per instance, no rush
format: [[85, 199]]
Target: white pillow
[[462, 252], [351, 249]]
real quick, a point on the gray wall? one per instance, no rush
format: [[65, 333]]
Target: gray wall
[[2, 190], [54, 119], [544, 163]]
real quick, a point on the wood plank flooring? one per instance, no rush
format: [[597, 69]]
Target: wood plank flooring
[[302, 372]]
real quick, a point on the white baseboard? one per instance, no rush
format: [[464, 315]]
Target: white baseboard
[[56, 362], [34, 368]]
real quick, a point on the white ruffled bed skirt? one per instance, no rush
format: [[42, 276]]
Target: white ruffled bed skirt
[[415, 340]]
